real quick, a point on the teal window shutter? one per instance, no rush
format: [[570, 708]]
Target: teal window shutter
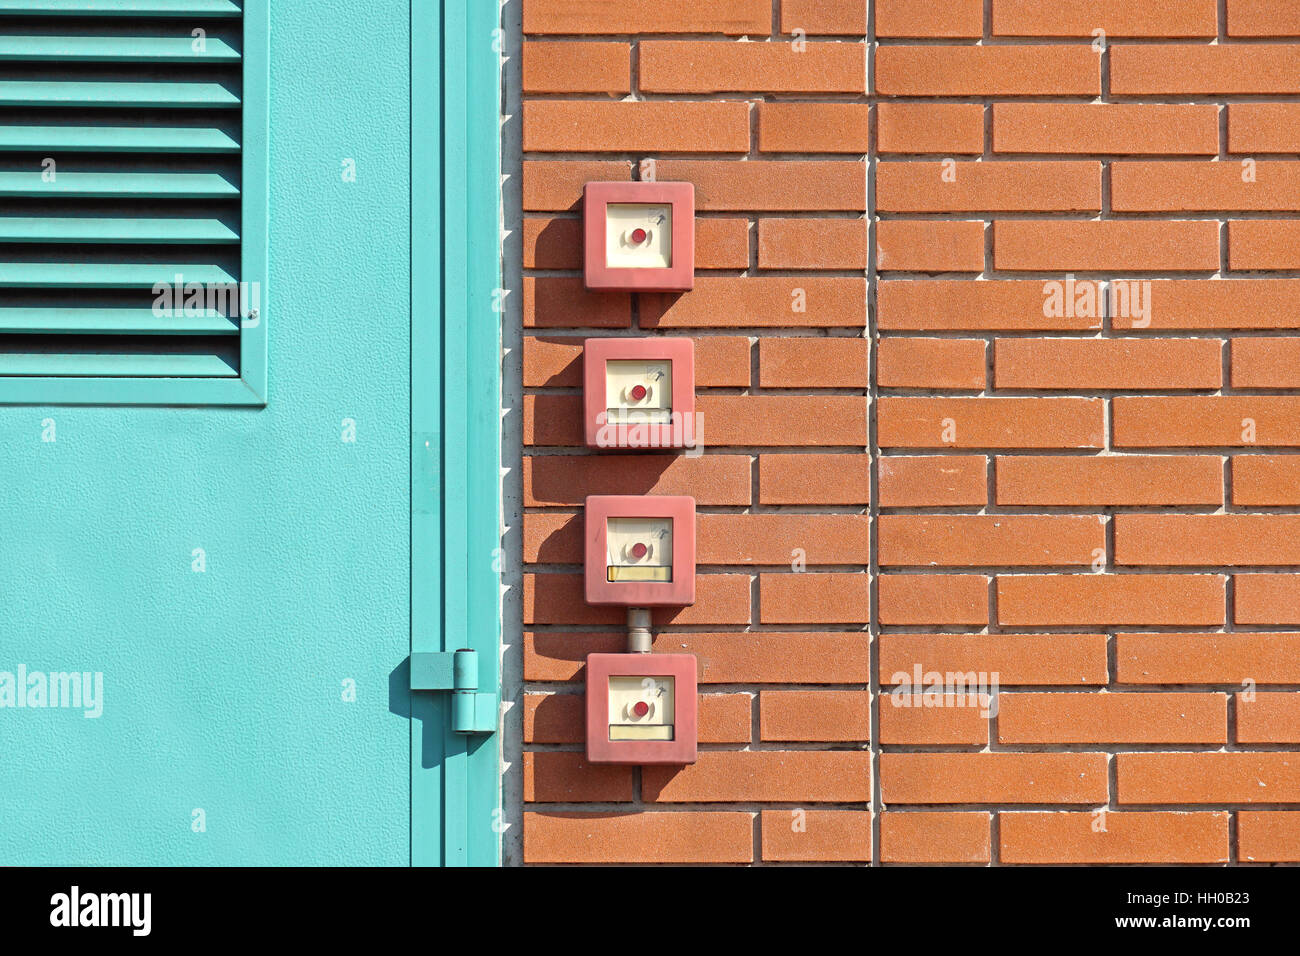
[[133, 202]]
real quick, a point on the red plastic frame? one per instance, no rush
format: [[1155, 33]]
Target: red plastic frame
[[678, 277], [682, 748], [678, 592], [678, 433]]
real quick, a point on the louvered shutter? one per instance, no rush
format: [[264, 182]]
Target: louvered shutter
[[132, 201]]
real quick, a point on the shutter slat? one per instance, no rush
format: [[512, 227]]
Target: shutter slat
[[114, 49], [141, 185], [43, 230], [114, 322], [142, 95], [124, 363], [114, 139], [107, 275], [108, 8]]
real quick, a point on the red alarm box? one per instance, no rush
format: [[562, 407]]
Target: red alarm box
[[639, 393], [642, 708], [639, 237], [640, 550]]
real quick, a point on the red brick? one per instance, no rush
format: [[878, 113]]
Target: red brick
[[1208, 778], [1207, 658], [1206, 421], [1264, 128], [1266, 363], [961, 305], [771, 185], [816, 598], [732, 17], [944, 364], [1268, 718], [814, 127], [563, 777], [710, 66], [1056, 600], [812, 244], [552, 302], [732, 658], [575, 67], [1263, 243], [719, 599], [932, 836], [1268, 836], [556, 361], [1222, 304], [737, 776], [1265, 480], [555, 186], [699, 837], [1090, 364], [989, 540], [1118, 18], [1120, 128], [1196, 69], [993, 778], [583, 126], [988, 71], [823, 715], [990, 422], [816, 836], [825, 17], [951, 481], [761, 302], [929, 246], [1106, 246], [913, 718], [553, 480], [1263, 18], [1052, 659], [948, 128], [796, 479], [788, 421], [1113, 837], [1193, 540], [772, 539], [1134, 480], [988, 186], [953, 599], [924, 18], [1112, 718], [1267, 599], [812, 362], [1197, 187], [769, 539]]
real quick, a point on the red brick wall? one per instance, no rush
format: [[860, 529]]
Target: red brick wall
[[1098, 510]]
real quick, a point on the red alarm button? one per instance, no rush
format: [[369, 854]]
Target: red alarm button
[[640, 708], [638, 392], [639, 550], [639, 236]]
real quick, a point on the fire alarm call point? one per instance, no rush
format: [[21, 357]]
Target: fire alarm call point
[[639, 393], [639, 237]]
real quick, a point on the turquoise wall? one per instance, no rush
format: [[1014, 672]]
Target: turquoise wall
[[222, 689]]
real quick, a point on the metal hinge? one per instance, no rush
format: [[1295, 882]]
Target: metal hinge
[[472, 711]]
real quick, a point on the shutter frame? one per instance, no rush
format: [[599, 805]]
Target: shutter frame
[[187, 386]]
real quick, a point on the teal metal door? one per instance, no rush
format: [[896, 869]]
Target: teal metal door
[[244, 586]]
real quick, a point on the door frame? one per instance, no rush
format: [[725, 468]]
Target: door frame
[[455, 416]]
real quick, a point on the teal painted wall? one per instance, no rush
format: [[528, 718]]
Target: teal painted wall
[[222, 689]]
